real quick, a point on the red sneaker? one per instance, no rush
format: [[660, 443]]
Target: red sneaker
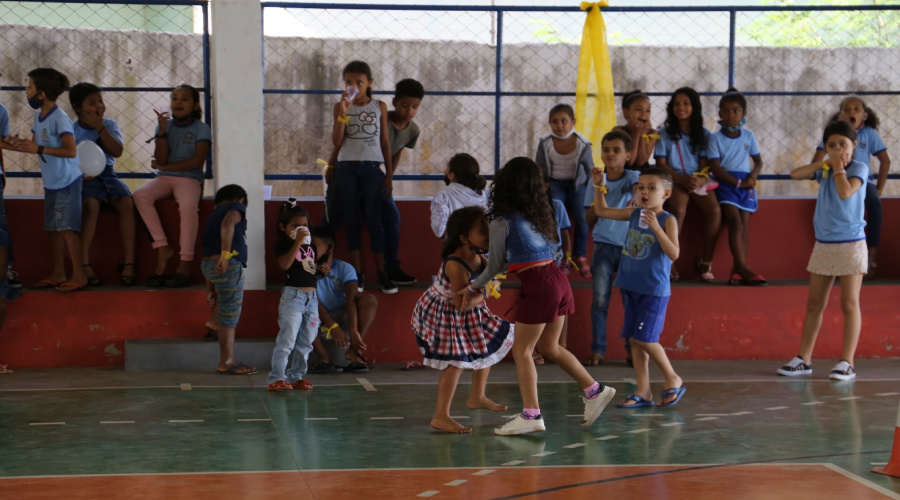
[[280, 385], [302, 385]]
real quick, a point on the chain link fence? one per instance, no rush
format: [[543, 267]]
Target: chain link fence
[[135, 52], [491, 75]]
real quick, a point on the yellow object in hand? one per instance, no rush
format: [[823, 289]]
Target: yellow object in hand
[[323, 162], [343, 119], [647, 137], [229, 254], [825, 169], [327, 330], [492, 289], [703, 173]]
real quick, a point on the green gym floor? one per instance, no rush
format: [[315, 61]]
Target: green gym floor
[[741, 432]]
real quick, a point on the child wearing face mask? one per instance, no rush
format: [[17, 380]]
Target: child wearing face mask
[[465, 188]]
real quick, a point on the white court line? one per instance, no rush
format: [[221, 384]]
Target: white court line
[[429, 493], [879, 463], [544, 454], [738, 414], [184, 421], [574, 445], [606, 438], [812, 403], [317, 419], [574, 416], [889, 394], [385, 418], [639, 431], [849, 398], [254, 420], [117, 421], [712, 414], [456, 417], [630, 381], [647, 414], [185, 387], [366, 384], [776, 408], [671, 424], [865, 482], [455, 482], [47, 423], [704, 419], [483, 472], [514, 462]]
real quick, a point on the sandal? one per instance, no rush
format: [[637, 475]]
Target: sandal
[[756, 280], [211, 335], [368, 361], [356, 367], [596, 359], [584, 267], [93, 279], [673, 275], [705, 270], [124, 278], [735, 280], [238, 369], [177, 280], [323, 367], [537, 358]]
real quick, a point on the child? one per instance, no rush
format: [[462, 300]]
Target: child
[[11, 276], [840, 248], [562, 257], [91, 125], [854, 111], [224, 259], [361, 132], [54, 143], [298, 313], [681, 151], [729, 153], [523, 235], [341, 308], [465, 188], [566, 159], [454, 337], [636, 110], [7, 293], [643, 277], [182, 144], [609, 235]]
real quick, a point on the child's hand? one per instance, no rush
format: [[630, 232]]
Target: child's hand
[[153, 165], [26, 146], [748, 183], [649, 217], [565, 267], [388, 187], [324, 268], [838, 163], [222, 265], [356, 343], [633, 203], [302, 232], [340, 338], [329, 175], [212, 298], [344, 104], [469, 299], [162, 118], [86, 178], [93, 120], [597, 176]]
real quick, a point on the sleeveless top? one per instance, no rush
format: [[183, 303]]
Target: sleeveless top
[[644, 267]]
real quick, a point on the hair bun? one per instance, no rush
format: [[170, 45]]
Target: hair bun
[[732, 90]]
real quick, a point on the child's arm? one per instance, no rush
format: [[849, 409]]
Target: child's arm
[[395, 160], [285, 260], [340, 338], [807, 172], [845, 186], [232, 218], [601, 209], [110, 143], [750, 182], [883, 169], [439, 215], [715, 166], [459, 280], [567, 241], [386, 151], [590, 216], [498, 230], [201, 149], [643, 148], [67, 150], [668, 237], [351, 290], [340, 115], [161, 144]]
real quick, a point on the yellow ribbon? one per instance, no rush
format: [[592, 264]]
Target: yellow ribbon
[[323, 162], [343, 119], [825, 169], [881, 192], [647, 137], [571, 260], [229, 255], [492, 289], [703, 173], [595, 104], [327, 330], [603, 188]]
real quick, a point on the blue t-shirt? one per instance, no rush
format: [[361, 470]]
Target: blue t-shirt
[[668, 148], [330, 288], [733, 153], [644, 267], [212, 232], [182, 140], [562, 219], [621, 191], [85, 133], [868, 144], [837, 220], [4, 129], [57, 172]]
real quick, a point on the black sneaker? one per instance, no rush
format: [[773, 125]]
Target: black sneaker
[[360, 281], [387, 286], [401, 278], [12, 278]]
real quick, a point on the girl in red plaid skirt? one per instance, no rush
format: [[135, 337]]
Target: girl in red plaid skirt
[[453, 338]]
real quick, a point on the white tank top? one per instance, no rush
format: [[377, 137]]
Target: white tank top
[[362, 136], [563, 167]]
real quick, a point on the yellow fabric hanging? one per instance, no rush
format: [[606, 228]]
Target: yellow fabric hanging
[[595, 104]]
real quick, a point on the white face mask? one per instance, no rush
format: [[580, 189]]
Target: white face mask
[[563, 136]]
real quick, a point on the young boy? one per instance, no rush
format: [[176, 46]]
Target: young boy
[[11, 276], [609, 236], [224, 257], [341, 308], [650, 248]]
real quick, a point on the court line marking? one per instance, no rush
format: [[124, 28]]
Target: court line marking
[[514, 462], [889, 394], [185, 387], [606, 438], [574, 445], [712, 414], [849, 398], [670, 424], [484, 472], [117, 421], [776, 408], [46, 423], [184, 421], [647, 414], [366, 384], [385, 418], [879, 463], [458, 416], [456, 482], [255, 420], [429, 493], [704, 419], [574, 416], [639, 431], [811, 403], [544, 454], [740, 413], [629, 381], [865, 482], [316, 419]]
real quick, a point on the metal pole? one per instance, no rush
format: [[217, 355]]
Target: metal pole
[[731, 36], [498, 89]]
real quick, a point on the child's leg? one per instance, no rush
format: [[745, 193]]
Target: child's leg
[[603, 265], [58, 253], [575, 206], [526, 338], [230, 296], [819, 288], [290, 318], [564, 333], [657, 353], [477, 398], [850, 286], [187, 194], [371, 187], [709, 205], [145, 199], [736, 237], [641, 360], [90, 210], [366, 307], [73, 244], [548, 343], [321, 351], [125, 208], [348, 185], [446, 388], [390, 224], [309, 331], [873, 224]]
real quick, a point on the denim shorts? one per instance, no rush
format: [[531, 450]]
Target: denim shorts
[[645, 316], [106, 186], [62, 208], [230, 289]]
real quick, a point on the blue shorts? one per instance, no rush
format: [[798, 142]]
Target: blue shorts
[[229, 288], [645, 316], [106, 186], [62, 208], [743, 198]]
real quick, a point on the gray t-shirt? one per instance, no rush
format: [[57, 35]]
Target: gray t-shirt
[[362, 136], [405, 138], [182, 139]]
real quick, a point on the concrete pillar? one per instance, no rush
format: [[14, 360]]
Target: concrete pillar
[[237, 101]]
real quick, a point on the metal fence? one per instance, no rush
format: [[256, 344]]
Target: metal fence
[[135, 52], [492, 73]]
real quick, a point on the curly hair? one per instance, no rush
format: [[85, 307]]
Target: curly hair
[[519, 189], [697, 136], [872, 120]]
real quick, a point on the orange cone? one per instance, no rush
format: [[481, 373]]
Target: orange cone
[[893, 466]]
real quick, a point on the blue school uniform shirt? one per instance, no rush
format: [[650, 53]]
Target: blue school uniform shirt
[[4, 128], [212, 232], [182, 140], [621, 191], [562, 219], [668, 148], [733, 153], [868, 144], [644, 267], [57, 172], [86, 133], [330, 288], [836, 220]]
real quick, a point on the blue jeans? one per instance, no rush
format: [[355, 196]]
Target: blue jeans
[[360, 187], [4, 223], [572, 197], [390, 223], [298, 322], [603, 265], [873, 216]]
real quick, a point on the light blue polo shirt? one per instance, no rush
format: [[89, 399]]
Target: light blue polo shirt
[[836, 220], [85, 133], [674, 151], [57, 172], [621, 191], [4, 126], [330, 288], [733, 153], [182, 141]]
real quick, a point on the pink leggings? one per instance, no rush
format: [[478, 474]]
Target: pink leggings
[[187, 194]]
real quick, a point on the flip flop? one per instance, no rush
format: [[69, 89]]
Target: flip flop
[[638, 402], [236, 368], [677, 391], [595, 360], [43, 284], [412, 365], [736, 280], [757, 280], [70, 286], [356, 367], [4, 369]]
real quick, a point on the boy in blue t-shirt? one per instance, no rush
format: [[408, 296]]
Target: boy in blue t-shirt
[[650, 247], [609, 236], [11, 276], [53, 141], [341, 308]]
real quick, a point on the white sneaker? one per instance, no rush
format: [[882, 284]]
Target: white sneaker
[[842, 371], [594, 407], [795, 367], [518, 424]]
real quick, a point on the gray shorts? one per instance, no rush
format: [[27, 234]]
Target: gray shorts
[[62, 208]]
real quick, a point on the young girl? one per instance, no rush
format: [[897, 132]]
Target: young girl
[[182, 144], [91, 125], [729, 153], [465, 188], [565, 157], [840, 248], [361, 132], [298, 313], [854, 111], [523, 235], [452, 337], [680, 151], [636, 110]]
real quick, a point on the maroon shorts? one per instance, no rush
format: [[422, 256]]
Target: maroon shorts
[[546, 294]]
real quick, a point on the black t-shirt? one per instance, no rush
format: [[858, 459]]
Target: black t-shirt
[[300, 274]]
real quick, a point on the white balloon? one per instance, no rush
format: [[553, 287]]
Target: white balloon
[[91, 159]]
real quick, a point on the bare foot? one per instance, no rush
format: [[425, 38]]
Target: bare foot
[[485, 404], [163, 254], [447, 424]]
